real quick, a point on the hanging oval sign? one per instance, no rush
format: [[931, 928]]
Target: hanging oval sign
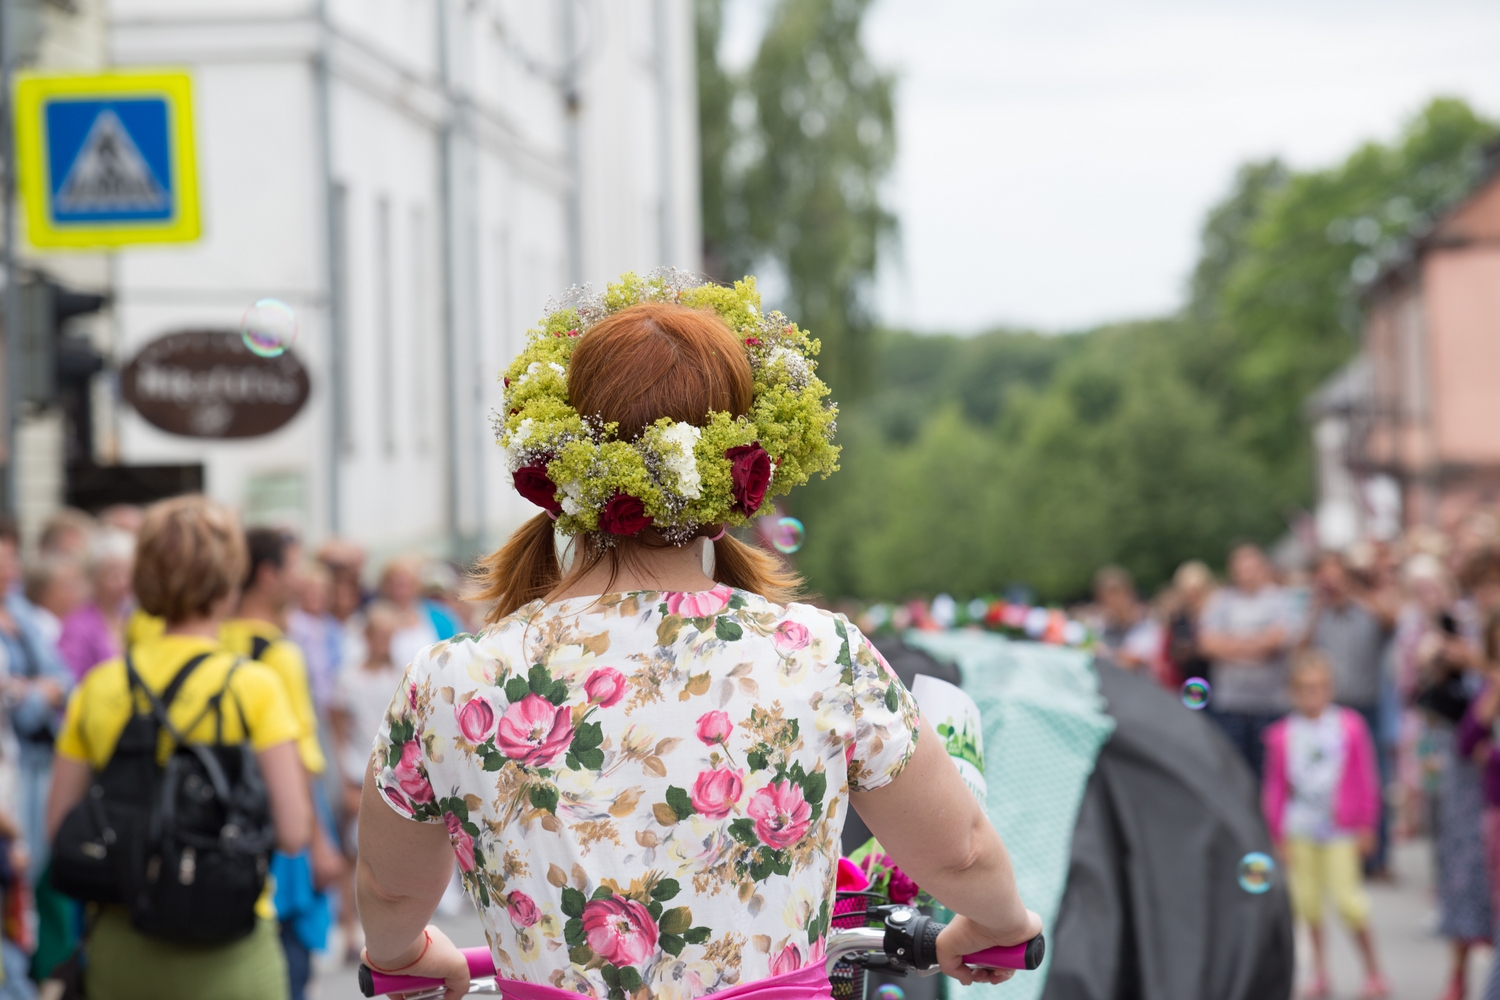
[[207, 384]]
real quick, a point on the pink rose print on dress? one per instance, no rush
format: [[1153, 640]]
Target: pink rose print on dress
[[790, 637], [394, 797], [605, 687], [409, 775], [699, 604], [522, 909], [716, 791], [620, 931], [714, 728], [476, 719], [463, 844], [781, 814], [788, 959], [533, 731]]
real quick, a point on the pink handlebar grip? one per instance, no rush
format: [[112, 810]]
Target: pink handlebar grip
[[374, 984], [1016, 956]]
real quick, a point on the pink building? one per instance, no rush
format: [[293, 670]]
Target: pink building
[[1412, 425]]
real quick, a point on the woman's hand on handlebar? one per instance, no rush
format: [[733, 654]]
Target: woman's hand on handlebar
[[964, 937], [442, 960]]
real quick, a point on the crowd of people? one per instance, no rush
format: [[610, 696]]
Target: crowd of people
[[334, 646], [1363, 690], [1405, 638]]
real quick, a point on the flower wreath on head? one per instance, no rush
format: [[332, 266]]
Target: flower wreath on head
[[676, 477]]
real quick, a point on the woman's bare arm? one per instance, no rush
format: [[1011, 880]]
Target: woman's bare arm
[[402, 870], [70, 783], [931, 824]]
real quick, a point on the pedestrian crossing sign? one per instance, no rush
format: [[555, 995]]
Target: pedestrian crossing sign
[[107, 159]]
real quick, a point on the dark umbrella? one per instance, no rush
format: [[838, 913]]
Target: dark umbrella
[[1153, 908]]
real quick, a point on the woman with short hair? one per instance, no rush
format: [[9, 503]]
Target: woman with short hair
[[189, 563], [643, 765], [95, 632]]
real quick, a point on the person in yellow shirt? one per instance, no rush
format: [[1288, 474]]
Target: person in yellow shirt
[[302, 906], [255, 630], [190, 560], [142, 625]]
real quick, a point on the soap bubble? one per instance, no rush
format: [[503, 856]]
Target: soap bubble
[[1195, 692], [890, 991], [1256, 870], [268, 328], [787, 535]]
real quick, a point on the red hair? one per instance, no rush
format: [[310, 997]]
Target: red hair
[[645, 362]]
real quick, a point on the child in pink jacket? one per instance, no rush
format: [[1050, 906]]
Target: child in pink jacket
[[1321, 795]]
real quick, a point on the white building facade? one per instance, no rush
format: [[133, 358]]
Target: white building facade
[[415, 178]]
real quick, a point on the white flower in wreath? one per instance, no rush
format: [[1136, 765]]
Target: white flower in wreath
[[678, 442], [572, 501], [515, 442], [796, 364]]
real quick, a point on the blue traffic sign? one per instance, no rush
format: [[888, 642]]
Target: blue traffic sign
[[107, 159]]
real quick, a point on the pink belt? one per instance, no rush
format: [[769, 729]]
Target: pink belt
[[807, 983]]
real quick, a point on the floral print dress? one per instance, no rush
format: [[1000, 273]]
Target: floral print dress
[[645, 791]]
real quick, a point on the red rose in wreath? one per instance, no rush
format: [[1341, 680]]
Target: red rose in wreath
[[533, 483], [624, 515], [750, 469]]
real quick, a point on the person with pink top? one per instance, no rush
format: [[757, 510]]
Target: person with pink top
[[1321, 796]]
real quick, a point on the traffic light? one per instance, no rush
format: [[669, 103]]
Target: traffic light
[[51, 361], [56, 368]]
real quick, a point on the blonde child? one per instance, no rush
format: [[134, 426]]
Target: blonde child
[[1321, 795]]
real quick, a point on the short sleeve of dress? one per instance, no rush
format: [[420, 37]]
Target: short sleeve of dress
[[400, 758], [886, 717]]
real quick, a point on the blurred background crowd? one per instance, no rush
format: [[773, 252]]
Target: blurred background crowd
[[1410, 630], [329, 616]]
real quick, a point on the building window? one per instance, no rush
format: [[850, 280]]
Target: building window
[[385, 336], [338, 374]]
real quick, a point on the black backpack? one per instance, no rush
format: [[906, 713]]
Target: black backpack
[[184, 846]]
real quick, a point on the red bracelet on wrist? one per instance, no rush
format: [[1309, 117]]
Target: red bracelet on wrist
[[427, 934]]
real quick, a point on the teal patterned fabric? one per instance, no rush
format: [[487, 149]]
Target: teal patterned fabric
[[1044, 722]]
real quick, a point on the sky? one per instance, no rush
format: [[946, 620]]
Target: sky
[[1056, 157]]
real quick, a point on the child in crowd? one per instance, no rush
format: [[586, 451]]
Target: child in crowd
[[1321, 796], [1477, 741], [362, 693]]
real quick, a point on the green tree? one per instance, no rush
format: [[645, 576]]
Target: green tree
[[1225, 237], [794, 153], [1289, 302], [724, 237], [1115, 457]]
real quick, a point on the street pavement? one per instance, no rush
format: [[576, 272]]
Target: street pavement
[[1415, 961], [1404, 915]]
